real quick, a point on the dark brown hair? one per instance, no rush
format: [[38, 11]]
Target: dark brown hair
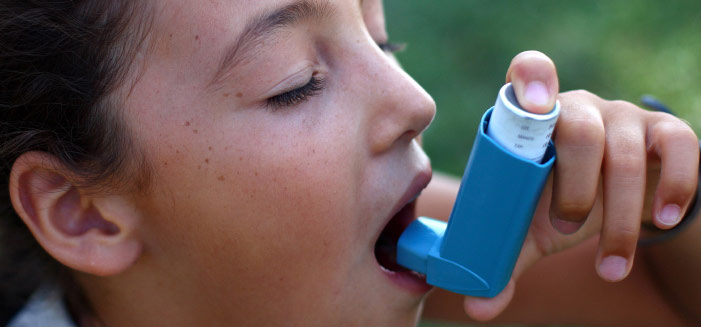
[[62, 63]]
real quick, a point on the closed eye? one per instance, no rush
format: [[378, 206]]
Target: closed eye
[[296, 96]]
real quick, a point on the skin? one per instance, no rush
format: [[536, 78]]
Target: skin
[[564, 288], [617, 166], [257, 216], [279, 228]]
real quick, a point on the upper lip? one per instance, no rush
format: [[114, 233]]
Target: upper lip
[[419, 183]]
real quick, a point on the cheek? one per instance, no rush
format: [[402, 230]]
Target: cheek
[[299, 198], [260, 205]]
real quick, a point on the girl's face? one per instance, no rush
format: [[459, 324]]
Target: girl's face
[[283, 141]]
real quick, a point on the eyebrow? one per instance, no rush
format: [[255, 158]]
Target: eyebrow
[[264, 26]]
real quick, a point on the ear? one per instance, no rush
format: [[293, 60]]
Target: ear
[[87, 231]]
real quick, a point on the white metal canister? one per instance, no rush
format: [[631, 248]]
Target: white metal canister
[[523, 133]]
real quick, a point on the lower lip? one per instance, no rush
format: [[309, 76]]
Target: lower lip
[[408, 280]]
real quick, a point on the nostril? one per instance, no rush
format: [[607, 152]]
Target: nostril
[[409, 135]]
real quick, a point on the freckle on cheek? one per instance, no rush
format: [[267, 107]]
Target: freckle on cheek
[[239, 95], [221, 178], [210, 148], [195, 131], [187, 123], [197, 37], [256, 173], [226, 95], [206, 160]]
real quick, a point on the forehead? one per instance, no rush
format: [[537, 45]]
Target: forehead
[[213, 17], [227, 18], [200, 31], [177, 23], [190, 38], [187, 36]]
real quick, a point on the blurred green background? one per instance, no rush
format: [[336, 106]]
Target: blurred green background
[[459, 52]]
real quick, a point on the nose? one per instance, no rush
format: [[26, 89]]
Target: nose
[[399, 108]]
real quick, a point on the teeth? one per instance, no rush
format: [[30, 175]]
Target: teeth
[[422, 276]]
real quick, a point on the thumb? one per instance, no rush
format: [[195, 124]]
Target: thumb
[[535, 82], [484, 309]]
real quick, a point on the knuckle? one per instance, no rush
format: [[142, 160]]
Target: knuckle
[[626, 164], [675, 130], [625, 151], [622, 108], [622, 236], [662, 116], [624, 105], [581, 94], [582, 130]]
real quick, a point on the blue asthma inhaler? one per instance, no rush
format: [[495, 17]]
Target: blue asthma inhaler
[[475, 252]]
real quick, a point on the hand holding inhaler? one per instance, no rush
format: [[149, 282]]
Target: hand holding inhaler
[[475, 253], [605, 152], [599, 172]]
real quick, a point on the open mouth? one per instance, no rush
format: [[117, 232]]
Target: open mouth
[[386, 246]]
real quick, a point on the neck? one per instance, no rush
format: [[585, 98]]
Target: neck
[[137, 297]]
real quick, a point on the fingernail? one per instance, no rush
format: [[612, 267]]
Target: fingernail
[[613, 268], [565, 226], [537, 93], [669, 215]]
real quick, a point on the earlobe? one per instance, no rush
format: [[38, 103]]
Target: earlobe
[[87, 231]]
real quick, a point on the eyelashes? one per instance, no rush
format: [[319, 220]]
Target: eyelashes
[[298, 95], [316, 85], [391, 47]]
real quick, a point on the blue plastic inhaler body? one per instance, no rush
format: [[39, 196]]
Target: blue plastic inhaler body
[[475, 252]]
